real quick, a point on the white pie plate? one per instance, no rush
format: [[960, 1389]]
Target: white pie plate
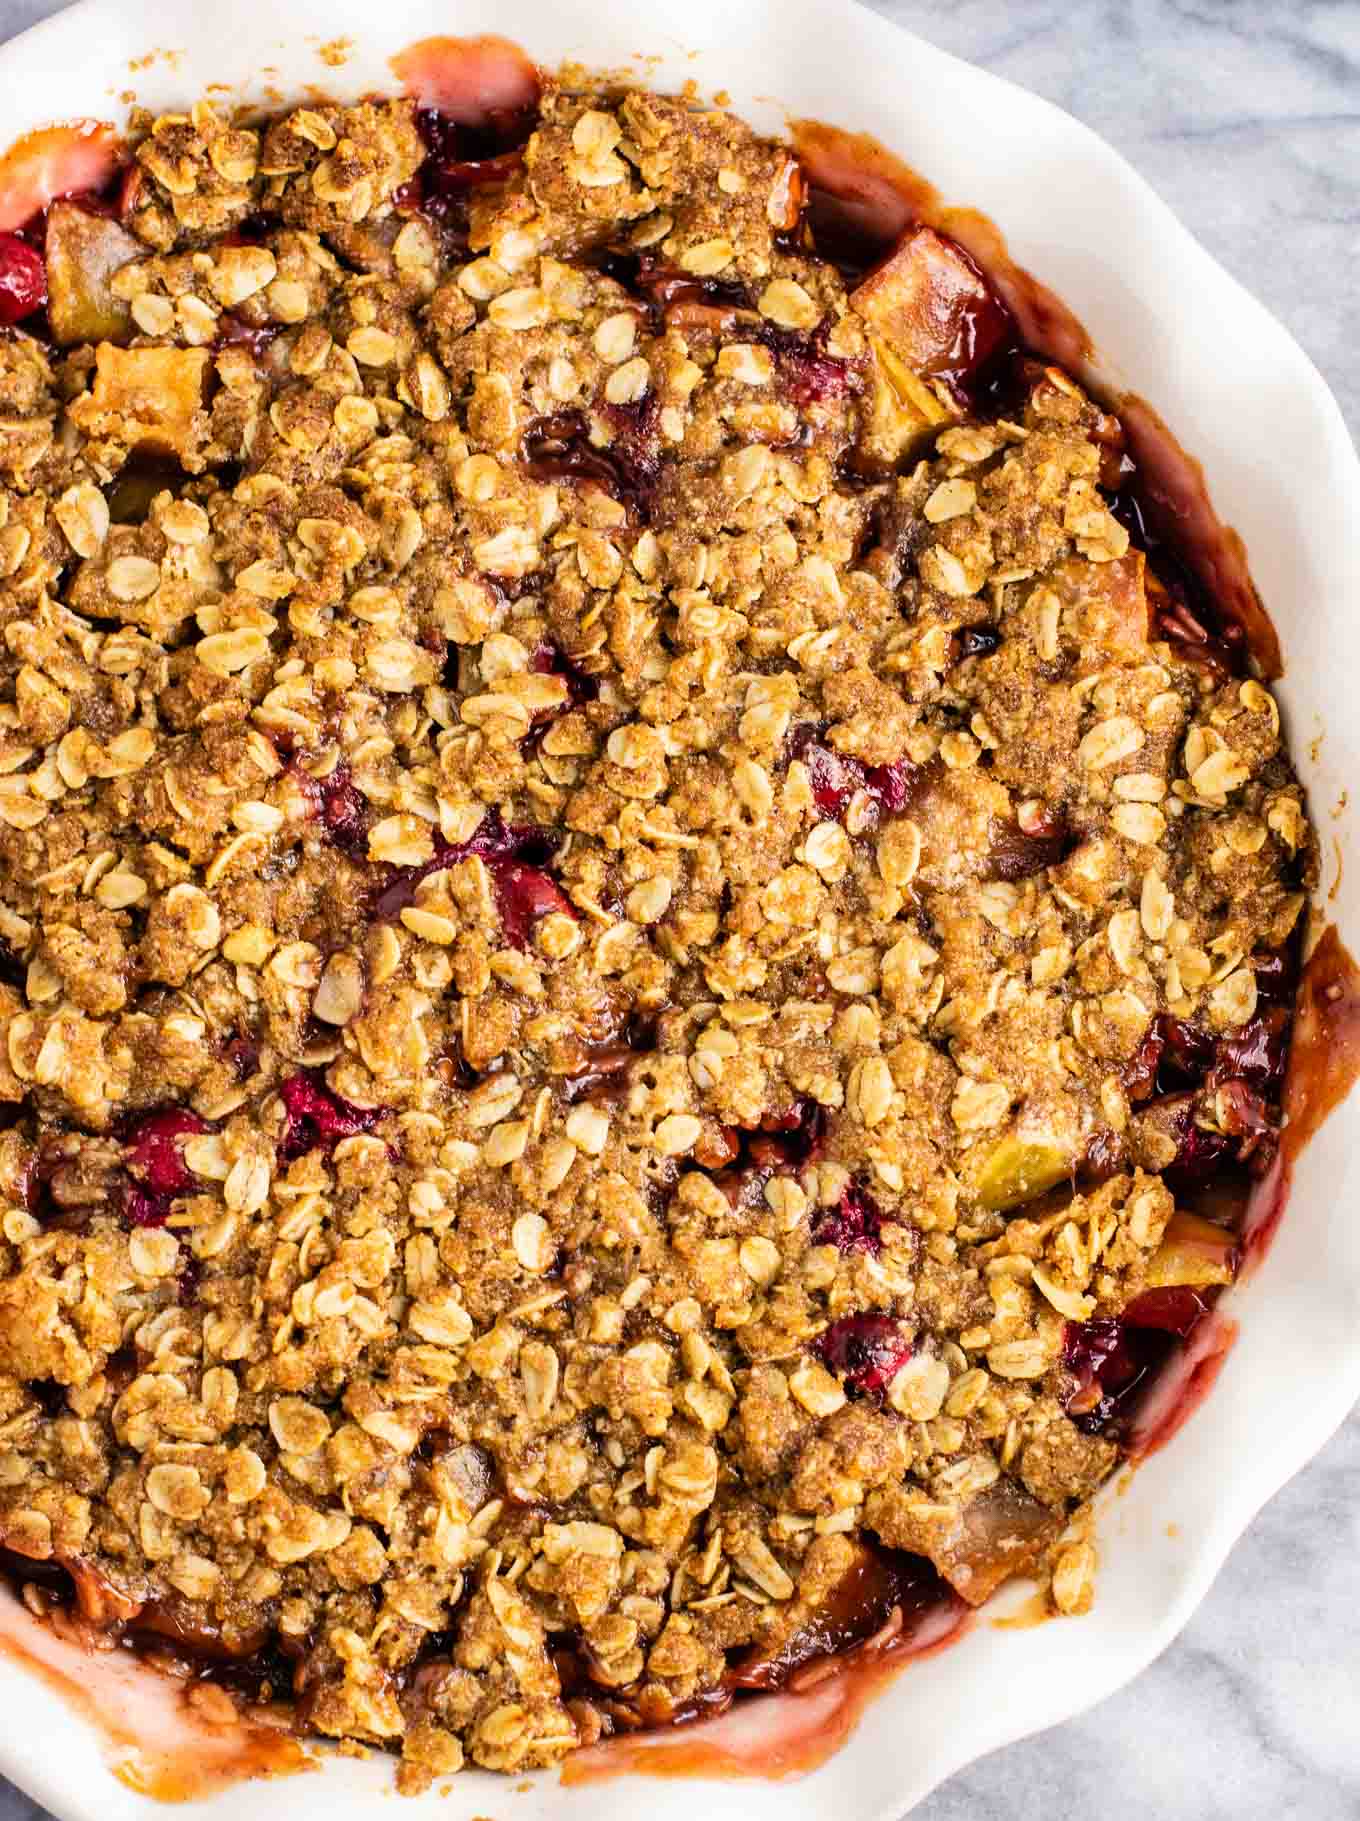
[[1243, 397]]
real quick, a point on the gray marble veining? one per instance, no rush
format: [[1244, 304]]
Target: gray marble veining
[[1245, 115]]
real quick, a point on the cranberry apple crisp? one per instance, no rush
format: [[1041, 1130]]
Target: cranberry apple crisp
[[648, 941]]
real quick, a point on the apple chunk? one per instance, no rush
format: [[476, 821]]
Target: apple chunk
[[901, 412], [930, 302], [1193, 1251], [1020, 1167], [1105, 606], [148, 398], [83, 253]]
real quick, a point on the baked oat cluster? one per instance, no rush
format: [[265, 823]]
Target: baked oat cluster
[[634, 930]]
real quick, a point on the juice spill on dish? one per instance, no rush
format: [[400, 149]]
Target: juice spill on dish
[[472, 80], [154, 1740], [782, 1734], [52, 161], [1324, 1064]]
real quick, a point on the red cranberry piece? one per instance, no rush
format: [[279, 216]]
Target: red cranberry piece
[[1187, 1052], [515, 856], [868, 1350], [142, 1210], [852, 1225], [1113, 1358], [1103, 1156], [892, 786], [834, 780], [341, 807], [523, 895], [1139, 1073], [798, 1131], [155, 1157], [811, 376], [243, 1054], [317, 1119], [1277, 974], [559, 448], [456, 176], [549, 661], [256, 337], [23, 280], [344, 810], [1258, 1051], [1200, 1153]]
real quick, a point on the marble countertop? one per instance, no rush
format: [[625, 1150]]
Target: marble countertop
[[1245, 115]]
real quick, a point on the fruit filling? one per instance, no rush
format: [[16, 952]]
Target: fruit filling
[[648, 941]]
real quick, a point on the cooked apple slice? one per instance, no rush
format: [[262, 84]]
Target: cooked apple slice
[[932, 304], [1020, 1166], [1193, 1251], [1105, 605], [83, 253], [975, 1545], [148, 398], [901, 412]]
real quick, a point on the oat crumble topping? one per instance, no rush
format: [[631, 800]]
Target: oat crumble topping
[[636, 934]]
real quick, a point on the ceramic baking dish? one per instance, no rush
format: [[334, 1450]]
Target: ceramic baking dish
[[1167, 322]]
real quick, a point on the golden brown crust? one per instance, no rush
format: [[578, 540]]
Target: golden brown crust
[[530, 1311]]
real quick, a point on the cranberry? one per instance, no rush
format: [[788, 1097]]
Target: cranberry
[[341, 806], [23, 280], [463, 158], [559, 448], [1174, 1053], [1277, 974], [668, 293], [243, 1055], [155, 1163], [1258, 1051], [1200, 1153], [1113, 1358], [317, 1119], [797, 1132], [523, 895], [232, 332], [783, 1141], [154, 1154], [868, 1350], [549, 660], [515, 855], [852, 1225], [1176, 1309], [811, 376], [1187, 1052], [500, 132], [1180, 609], [835, 779], [1103, 1156]]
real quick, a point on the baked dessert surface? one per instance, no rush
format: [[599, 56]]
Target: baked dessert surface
[[645, 955]]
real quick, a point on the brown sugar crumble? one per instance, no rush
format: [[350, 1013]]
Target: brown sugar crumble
[[646, 944]]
